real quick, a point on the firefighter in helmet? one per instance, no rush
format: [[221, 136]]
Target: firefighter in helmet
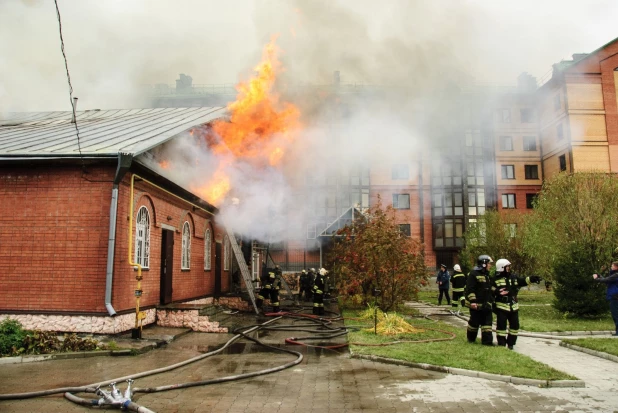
[[308, 284], [318, 292], [478, 294], [458, 280], [268, 280], [506, 285]]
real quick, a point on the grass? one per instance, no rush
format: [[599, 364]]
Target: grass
[[605, 345], [453, 353], [536, 313]]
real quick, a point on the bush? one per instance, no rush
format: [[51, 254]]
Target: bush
[[575, 291], [11, 337], [41, 342]]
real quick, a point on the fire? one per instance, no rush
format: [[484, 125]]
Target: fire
[[260, 125], [165, 164]]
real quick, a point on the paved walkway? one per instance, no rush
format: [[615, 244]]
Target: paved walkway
[[326, 381]]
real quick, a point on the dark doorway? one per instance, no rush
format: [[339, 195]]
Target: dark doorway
[[218, 269], [167, 265]]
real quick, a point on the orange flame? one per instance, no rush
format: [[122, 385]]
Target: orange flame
[[165, 164], [259, 128]]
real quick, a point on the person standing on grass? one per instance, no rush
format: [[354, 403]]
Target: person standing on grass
[[478, 294], [443, 281], [611, 281], [459, 283], [506, 285]]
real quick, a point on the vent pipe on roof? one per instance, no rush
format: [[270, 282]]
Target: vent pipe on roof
[[74, 110]]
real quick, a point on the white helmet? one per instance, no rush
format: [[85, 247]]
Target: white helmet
[[501, 263], [323, 271], [457, 267]]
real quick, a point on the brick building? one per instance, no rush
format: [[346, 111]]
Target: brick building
[[68, 224]]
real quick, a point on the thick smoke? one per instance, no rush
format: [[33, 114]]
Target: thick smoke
[[421, 54]]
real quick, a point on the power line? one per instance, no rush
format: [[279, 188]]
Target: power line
[[66, 65]]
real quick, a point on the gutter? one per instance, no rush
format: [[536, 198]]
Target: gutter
[[124, 162]]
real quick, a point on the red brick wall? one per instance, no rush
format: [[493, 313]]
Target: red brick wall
[[520, 192], [54, 231], [186, 284], [54, 227]]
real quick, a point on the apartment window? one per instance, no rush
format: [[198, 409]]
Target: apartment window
[[405, 229], [508, 201], [559, 132], [207, 249], [529, 143], [186, 246], [530, 199], [511, 230], [142, 238], [506, 115], [311, 231], [557, 102], [475, 173], [532, 171], [401, 201], [226, 253], [448, 234], [562, 160], [508, 171], [400, 171], [527, 115], [506, 143], [476, 201]]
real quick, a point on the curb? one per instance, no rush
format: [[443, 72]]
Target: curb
[[596, 353], [65, 356], [474, 373]]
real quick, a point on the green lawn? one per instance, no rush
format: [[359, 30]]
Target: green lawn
[[536, 313], [606, 345], [453, 353]]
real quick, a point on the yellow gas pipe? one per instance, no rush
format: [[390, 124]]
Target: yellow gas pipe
[[140, 316]]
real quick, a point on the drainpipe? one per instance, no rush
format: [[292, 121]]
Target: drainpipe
[[124, 162]]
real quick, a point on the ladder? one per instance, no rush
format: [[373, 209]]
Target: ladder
[[244, 270]]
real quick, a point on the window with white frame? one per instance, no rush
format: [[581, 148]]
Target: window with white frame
[[207, 249], [186, 246], [508, 201], [142, 238], [226, 253], [506, 143], [401, 201], [508, 171]]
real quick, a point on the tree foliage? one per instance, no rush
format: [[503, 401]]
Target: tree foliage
[[574, 233], [372, 253], [499, 236]]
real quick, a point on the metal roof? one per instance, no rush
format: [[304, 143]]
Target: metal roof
[[101, 132]]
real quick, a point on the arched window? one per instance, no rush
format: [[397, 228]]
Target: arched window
[[186, 246], [207, 249], [226, 253], [142, 238]]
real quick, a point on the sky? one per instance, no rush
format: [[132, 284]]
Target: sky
[[116, 47]]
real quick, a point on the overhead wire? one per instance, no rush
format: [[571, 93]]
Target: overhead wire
[[66, 65]]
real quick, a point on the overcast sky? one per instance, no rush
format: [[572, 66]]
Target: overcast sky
[[114, 46]]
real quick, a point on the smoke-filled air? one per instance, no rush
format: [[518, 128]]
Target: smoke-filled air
[[286, 59]]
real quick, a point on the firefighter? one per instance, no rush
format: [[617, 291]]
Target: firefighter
[[308, 284], [506, 285], [274, 293], [267, 280], [458, 280], [478, 294], [318, 292]]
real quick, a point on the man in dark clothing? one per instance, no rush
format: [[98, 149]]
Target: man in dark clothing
[[443, 281], [308, 285], [318, 292], [478, 294], [267, 280], [506, 286], [611, 281], [459, 285]]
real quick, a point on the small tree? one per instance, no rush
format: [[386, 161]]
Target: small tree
[[574, 229], [372, 253]]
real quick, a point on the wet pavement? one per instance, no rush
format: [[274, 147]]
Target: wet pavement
[[325, 380]]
